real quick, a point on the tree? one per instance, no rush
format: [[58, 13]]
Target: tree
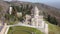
[[52, 19]]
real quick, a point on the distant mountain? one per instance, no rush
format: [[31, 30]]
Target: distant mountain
[[54, 4]]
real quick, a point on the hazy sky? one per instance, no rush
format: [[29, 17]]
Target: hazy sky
[[54, 3], [40, 0]]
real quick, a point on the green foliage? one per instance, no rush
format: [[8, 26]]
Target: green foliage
[[18, 8], [20, 19], [1, 8], [24, 9], [50, 18], [8, 16], [11, 19]]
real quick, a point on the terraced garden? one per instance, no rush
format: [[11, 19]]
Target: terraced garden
[[23, 30]]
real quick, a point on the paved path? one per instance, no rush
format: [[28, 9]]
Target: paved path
[[6, 28], [3, 29], [45, 29]]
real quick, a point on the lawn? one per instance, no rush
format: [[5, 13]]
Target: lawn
[[23, 30], [53, 29]]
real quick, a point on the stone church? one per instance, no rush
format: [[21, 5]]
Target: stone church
[[35, 19]]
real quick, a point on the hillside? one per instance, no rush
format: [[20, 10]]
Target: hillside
[[4, 7], [53, 29], [51, 11], [43, 7]]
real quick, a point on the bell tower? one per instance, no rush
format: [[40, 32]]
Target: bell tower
[[37, 19]]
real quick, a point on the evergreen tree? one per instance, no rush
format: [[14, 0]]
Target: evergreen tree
[[52, 19]]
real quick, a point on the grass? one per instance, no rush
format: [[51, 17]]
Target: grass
[[53, 29], [1, 8], [12, 22], [23, 30]]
